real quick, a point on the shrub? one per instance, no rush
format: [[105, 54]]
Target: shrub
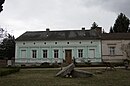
[[48, 65], [9, 71]]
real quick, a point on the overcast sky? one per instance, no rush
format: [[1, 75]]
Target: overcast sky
[[19, 16]]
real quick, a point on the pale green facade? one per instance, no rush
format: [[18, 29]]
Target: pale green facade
[[81, 50]]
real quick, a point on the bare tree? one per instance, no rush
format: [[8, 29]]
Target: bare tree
[[126, 50], [1, 2]]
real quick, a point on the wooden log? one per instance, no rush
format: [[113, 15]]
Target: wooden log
[[66, 71]]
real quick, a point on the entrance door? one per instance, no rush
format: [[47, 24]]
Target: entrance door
[[68, 56]]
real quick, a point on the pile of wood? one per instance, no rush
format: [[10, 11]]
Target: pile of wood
[[69, 71]]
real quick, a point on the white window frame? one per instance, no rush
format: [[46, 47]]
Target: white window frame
[[45, 54], [56, 53], [94, 52], [112, 50], [80, 53], [34, 53], [25, 51]]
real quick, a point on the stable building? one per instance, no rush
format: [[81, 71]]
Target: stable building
[[37, 47]]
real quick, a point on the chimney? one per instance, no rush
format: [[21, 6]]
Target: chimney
[[47, 29], [83, 28], [98, 30]]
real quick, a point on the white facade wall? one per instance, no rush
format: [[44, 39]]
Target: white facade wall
[[50, 46], [119, 55]]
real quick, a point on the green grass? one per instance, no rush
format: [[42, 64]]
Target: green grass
[[46, 77]]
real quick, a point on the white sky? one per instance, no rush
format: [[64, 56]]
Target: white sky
[[19, 16]]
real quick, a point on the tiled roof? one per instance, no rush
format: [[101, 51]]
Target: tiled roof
[[59, 35], [116, 36]]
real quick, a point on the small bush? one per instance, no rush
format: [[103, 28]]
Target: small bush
[[48, 65], [9, 71]]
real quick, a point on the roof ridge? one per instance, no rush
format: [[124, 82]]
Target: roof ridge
[[57, 30], [58, 35]]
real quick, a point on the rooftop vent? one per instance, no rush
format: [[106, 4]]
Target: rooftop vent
[[47, 29], [83, 28]]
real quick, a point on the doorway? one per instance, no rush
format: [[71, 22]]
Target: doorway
[[68, 56]]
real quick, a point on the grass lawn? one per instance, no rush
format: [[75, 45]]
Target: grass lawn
[[46, 77]]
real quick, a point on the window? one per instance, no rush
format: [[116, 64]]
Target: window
[[56, 53], [23, 53], [80, 53], [34, 53], [112, 50], [44, 53], [91, 53]]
